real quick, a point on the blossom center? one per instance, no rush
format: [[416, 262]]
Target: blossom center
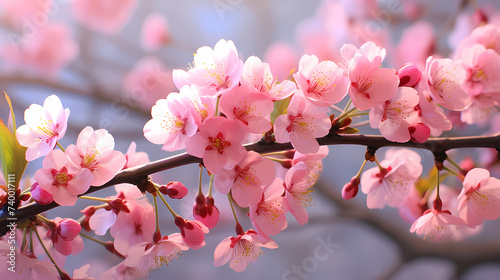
[[218, 143]]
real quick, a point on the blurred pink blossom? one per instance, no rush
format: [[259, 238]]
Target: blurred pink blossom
[[155, 32], [107, 16]]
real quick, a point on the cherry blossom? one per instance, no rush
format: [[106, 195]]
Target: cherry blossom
[[395, 116], [123, 272], [61, 179], [107, 16], [40, 195], [252, 110], [323, 83], [246, 179], [172, 123], [81, 273], [444, 79], [65, 236], [147, 82], [192, 232], [155, 32], [134, 158], [44, 127], [282, 58], [147, 256], [302, 123], [478, 198], [218, 142], [438, 225], [370, 84], [482, 68], [241, 250], [32, 267], [416, 44], [215, 70], [134, 227], [297, 192], [313, 162], [258, 78], [40, 54], [430, 113], [268, 217], [94, 151], [391, 183]]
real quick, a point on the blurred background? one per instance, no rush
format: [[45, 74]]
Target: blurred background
[[110, 64]]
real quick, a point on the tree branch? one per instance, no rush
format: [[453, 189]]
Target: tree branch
[[138, 174]]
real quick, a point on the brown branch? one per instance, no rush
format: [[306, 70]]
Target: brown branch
[[137, 174]]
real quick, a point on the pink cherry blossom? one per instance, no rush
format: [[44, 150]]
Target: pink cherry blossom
[[148, 256], [123, 272], [482, 107], [205, 211], [61, 179], [258, 78], [40, 195], [478, 198], [297, 192], [104, 218], [44, 127], [135, 158], [192, 232], [268, 217], [94, 151], [134, 227], [81, 273], [251, 109], [313, 162], [32, 268], [40, 54], [430, 113], [323, 83], [302, 123], [370, 84], [215, 70], [65, 236], [15, 12], [218, 142], [444, 79], [487, 35], [413, 207], [282, 59], [246, 179], [155, 32], [438, 225], [416, 44], [395, 116], [147, 82], [391, 183], [107, 16], [172, 123], [239, 251], [482, 67]]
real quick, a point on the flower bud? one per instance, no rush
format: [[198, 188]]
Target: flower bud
[[350, 190], [419, 132], [192, 232], [40, 195], [175, 190], [409, 75], [205, 211], [68, 229], [118, 205]]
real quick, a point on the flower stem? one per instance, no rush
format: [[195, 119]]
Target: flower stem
[[106, 200], [45, 220], [230, 198], [210, 187], [93, 239], [164, 201], [200, 192], [60, 147], [455, 164], [217, 106], [453, 172], [156, 213], [361, 168], [47, 251]]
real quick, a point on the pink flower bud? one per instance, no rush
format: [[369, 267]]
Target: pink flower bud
[[40, 195], [350, 190], [175, 190], [205, 211], [192, 232], [419, 132], [409, 75], [479, 18], [68, 229]]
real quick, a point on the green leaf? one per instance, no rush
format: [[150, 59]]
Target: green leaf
[[348, 130], [280, 108], [12, 155]]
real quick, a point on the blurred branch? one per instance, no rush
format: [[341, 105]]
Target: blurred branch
[[137, 175]]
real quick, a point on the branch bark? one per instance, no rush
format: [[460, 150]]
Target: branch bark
[[135, 175]]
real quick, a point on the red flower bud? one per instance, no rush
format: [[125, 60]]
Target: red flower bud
[[409, 75]]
